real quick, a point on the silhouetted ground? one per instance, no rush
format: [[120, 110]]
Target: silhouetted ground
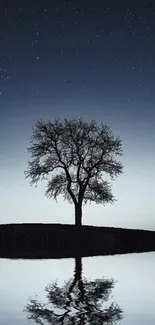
[[59, 240]]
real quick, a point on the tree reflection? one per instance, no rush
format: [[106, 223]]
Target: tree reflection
[[78, 301]]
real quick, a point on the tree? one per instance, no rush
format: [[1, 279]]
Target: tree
[[76, 153], [78, 301]]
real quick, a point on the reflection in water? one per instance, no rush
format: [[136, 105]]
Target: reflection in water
[[78, 301]]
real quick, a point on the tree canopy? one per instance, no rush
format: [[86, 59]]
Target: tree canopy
[[78, 154]]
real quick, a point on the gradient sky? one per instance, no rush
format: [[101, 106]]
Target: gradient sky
[[91, 59]]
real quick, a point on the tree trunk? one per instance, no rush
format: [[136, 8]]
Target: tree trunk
[[78, 215], [78, 268]]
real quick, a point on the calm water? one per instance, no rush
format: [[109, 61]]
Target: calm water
[[83, 299]]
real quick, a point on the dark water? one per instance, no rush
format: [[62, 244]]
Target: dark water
[[115, 289]]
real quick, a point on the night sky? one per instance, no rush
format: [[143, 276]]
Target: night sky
[[91, 59]]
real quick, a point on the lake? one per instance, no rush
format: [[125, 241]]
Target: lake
[[91, 290]]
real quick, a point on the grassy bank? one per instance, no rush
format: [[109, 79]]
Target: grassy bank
[[57, 240]]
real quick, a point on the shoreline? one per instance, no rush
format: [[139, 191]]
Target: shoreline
[[39, 240]]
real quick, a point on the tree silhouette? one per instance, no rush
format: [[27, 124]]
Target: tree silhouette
[[77, 153], [78, 301]]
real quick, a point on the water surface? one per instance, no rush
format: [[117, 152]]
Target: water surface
[[131, 293]]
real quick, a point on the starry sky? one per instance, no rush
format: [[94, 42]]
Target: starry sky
[[91, 59]]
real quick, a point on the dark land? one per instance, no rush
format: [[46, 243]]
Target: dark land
[[60, 240]]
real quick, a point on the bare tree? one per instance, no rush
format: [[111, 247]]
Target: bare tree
[[77, 154]]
